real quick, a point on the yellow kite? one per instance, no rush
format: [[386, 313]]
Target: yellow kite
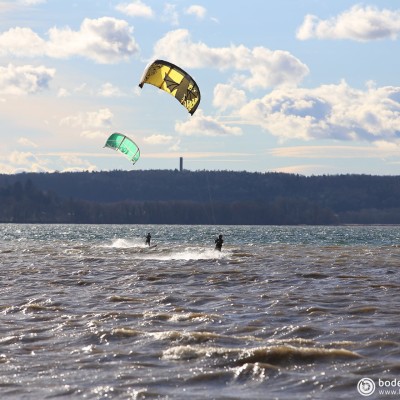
[[173, 80]]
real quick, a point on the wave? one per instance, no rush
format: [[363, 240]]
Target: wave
[[272, 355], [119, 243], [164, 252], [187, 254]]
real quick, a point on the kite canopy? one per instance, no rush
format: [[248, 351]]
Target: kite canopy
[[173, 80], [122, 143]]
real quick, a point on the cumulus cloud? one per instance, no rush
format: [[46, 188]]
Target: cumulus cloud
[[8, 5], [175, 146], [21, 42], [255, 68], [25, 79], [62, 92], [136, 9], [159, 139], [27, 142], [91, 124], [196, 10], [109, 90], [18, 161], [104, 40], [5, 6], [32, 2], [170, 14], [76, 163], [202, 125], [324, 152], [22, 158], [25, 161], [361, 23], [226, 96], [6, 168], [328, 112]]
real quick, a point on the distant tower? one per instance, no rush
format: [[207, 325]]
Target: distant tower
[[181, 164]]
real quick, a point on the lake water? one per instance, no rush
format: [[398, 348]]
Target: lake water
[[88, 312]]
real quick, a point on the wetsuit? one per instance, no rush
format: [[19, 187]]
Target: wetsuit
[[148, 237], [218, 243]]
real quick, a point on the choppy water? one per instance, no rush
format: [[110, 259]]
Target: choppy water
[[88, 312]]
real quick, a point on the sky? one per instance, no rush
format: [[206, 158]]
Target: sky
[[310, 87]]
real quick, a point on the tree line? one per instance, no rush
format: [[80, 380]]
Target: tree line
[[198, 197]]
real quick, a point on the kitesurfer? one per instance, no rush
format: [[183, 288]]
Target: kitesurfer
[[148, 237], [218, 243]]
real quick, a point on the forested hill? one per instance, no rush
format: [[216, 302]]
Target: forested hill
[[210, 197]]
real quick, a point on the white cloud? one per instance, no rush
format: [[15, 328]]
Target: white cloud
[[6, 6], [196, 10], [77, 163], [92, 124], [62, 92], [104, 40], [361, 23], [6, 168], [202, 125], [92, 133], [305, 169], [27, 142], [329, 111], [21, 158], [158, 139], [176, 146], [257, 68], [325, 152], [21, 42], [135, 9], [226, 96], [170, 14], [389, 148], [26, 79], [29, 162], [9, 5], [32, 2], [109, 90], [81, 88]]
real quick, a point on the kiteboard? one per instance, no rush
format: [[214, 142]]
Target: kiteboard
[[152, 246]]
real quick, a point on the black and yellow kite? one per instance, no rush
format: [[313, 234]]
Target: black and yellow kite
[[173, 80]]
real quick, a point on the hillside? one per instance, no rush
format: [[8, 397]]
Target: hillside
[[204, 197]]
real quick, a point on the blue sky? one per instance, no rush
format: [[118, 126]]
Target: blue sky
[[301, 86]]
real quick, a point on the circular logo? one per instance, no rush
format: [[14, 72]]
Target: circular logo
[[366, 386]]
